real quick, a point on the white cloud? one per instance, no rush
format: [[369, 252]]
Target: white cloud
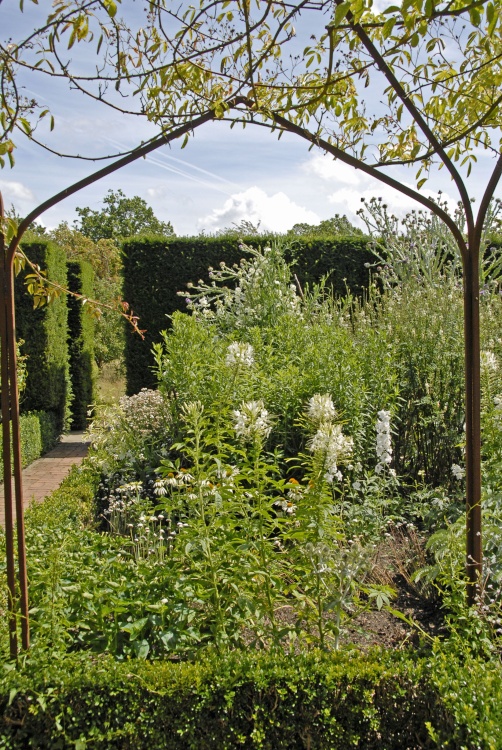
[[275, 213], [332, 170], [15, 191], [352, 185]]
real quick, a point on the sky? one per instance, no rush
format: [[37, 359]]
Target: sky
[[222, 177]]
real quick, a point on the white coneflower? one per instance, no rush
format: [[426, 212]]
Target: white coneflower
[[321, 408], [159, 488], [252, 420], [239, 353], [383, 441], [330, 440], [457, 471], [287, 506]]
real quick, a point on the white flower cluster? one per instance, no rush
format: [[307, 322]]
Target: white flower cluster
[[497, 403], [383, 441], [252, 420], [488, 361], [240, 353], [321, 408], [146, 411], [259, 292], [330, 441], [457, 471]]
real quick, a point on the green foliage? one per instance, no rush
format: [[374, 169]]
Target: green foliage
[[44, 330], [120, 217], [155, 271], [39, 434], [81, 343], [104, 257], [337, 226], [263, 701]]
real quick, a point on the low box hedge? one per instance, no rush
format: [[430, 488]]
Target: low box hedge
[[389, 701], [39, 433]]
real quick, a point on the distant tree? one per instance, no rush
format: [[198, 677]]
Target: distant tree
[[120, 217], [244, 228], [34, 230], [104, 256], [337, 225]]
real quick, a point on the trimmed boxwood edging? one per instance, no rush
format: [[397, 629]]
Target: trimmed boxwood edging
[[39, 434], [155, 269], [390, 701]]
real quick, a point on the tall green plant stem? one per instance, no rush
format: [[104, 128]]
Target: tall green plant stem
[[261, 535], [206, 545]]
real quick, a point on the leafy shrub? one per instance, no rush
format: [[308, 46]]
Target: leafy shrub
[[265, 701], [39, 434]]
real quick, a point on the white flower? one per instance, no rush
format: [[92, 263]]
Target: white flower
[[239, 353], [321, 408], [286, 505], [330, 440], [159, 488], [252, 420], [457, 471], [383, 441], [488, 360]]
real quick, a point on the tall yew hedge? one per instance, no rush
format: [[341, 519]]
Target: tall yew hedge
[[155, 269], [44, 331], [81, 342]]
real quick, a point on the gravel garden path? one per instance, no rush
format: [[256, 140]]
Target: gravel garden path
[[45, 474]]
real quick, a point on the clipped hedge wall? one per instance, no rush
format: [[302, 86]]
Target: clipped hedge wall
[[44, 331], [81, 343], [385, 701], [39, 434], [155, 269]]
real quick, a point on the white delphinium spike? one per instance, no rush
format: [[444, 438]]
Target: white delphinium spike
[[239, 353], [252, 420], [321, 408], [383, 441]]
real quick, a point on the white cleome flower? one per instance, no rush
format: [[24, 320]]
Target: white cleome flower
[[321, 408], [239, 353], [488, 360], [457, 471], [252, 420], [330, 440]]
